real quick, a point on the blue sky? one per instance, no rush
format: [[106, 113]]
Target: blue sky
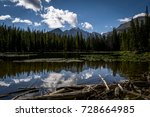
[[91, 15]]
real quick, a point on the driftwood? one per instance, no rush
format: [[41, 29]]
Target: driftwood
[[78, 87], [63, 96], [126, 90], [121, 88], [16, 92], [107, 88], [60, 94], [141, 83], [136, 94], [26, 92]]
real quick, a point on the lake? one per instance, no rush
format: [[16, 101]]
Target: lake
[[50, 71]]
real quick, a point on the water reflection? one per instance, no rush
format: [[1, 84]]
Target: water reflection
[[133, 70], [52, 80], [49, 76]]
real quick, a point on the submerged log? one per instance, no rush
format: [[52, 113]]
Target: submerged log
[[62, 96], [66, 93], [16, 92], [78, 87], [126, 90], [24, 93]]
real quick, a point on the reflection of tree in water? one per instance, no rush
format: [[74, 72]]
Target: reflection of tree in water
[[10, 68], [133, 70], [129, 69]]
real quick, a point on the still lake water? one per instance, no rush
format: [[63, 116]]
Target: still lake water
[[51, 75]]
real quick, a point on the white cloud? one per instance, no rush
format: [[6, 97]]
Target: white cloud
[[124, 20], [5, 5], [48, 1], [29, 4], [37, 24], [18, 20], [134, 17], [86, 25], [106, 26], [4, 17], [57, 18], [139, 15]]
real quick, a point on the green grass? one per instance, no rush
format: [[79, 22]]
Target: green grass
[[118, 56]]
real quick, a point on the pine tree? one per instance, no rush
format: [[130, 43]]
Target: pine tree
[[133, 41], [115, 41], [147, 30]]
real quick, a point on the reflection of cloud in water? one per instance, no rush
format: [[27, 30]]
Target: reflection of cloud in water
[[61, 79], [91, 76], [2, 83], [28, 79], [19, 78], [52, 80]]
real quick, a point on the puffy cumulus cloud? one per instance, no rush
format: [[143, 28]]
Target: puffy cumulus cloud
[[29, 4], [57, 18], [86, 25], [37, 24], [139, 15], [124, 20], [4, 17], [18, 20]]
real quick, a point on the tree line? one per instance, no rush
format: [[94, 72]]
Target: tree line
[[135, 38]]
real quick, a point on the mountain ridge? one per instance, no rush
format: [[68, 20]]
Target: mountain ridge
[[85, 34], [74, 32], [126, 25]]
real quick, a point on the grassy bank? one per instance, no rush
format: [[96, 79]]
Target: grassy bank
[[106, 56], [118, 56]]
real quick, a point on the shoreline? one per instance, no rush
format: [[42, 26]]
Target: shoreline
[[105, 56], [135, 90]]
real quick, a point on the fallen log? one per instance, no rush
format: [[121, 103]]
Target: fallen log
[[107, 88], [127, 90], [121, 88], [78, 87], [136, 94], [61, 96], [67, 93], [24, 93], [141, 83], [16, 92]]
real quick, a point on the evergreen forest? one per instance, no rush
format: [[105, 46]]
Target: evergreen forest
[[135, 38]]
